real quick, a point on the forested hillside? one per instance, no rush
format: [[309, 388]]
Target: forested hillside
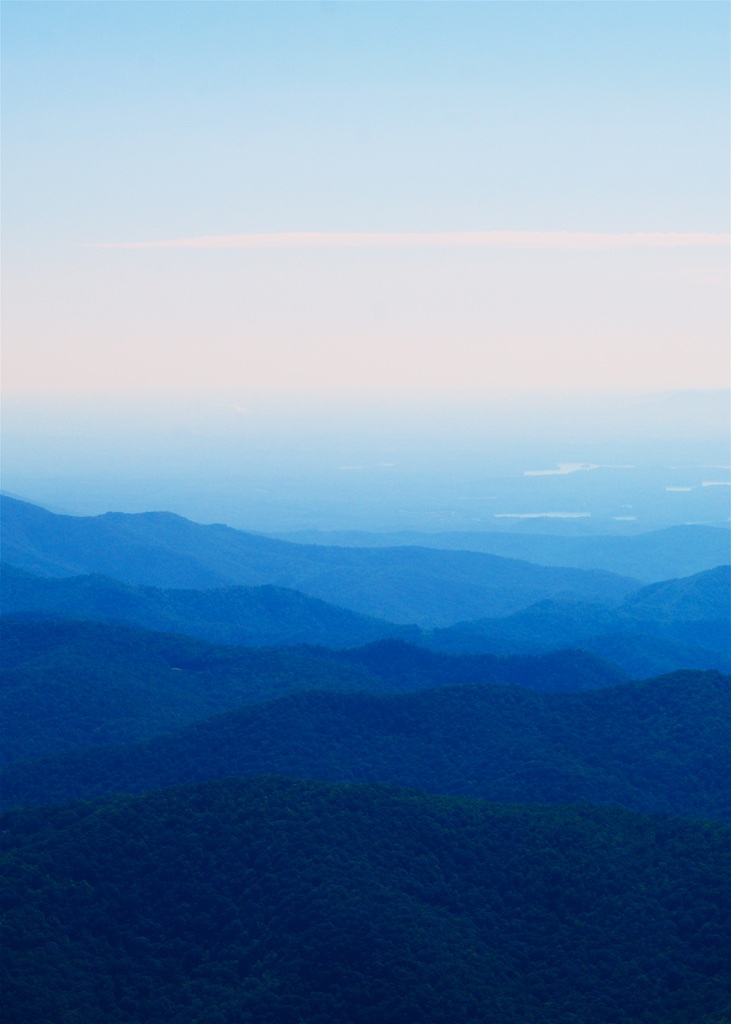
[[273, 901], [661, 745], [97, 683]]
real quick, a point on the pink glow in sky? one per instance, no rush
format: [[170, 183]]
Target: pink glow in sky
[[383, 198], [440, 240]]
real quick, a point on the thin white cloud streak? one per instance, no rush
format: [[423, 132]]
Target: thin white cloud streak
[[437, 240]]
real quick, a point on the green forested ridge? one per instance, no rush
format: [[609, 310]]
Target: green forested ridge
[[659, 745], [99, 683], [272, 901], [405, 585]]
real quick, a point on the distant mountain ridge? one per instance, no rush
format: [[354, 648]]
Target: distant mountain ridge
[[702, 597], [403, 585], [264, 616], [628, 634], [650, 557], [685, 621]]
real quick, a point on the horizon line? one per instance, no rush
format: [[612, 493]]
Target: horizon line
[[587, 240]]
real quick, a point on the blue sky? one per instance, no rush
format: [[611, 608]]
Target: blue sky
[[144, 122]]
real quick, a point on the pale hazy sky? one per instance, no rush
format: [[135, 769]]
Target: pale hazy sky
[[396, 197]]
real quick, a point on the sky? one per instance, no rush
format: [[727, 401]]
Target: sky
[[238, 236], [397, 198]]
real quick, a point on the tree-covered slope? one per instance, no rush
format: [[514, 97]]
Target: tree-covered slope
[[66, 685], [405, 585], [404, 666], [659, 745], [641, 656], [69, 685], [272, 901]]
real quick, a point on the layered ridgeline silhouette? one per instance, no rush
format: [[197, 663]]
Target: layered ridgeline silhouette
[[651, 556], [679, 623], [98, 683], [272, 899], [406, 585], [277, 900], [659, 745], [263, 616], [668, 626]]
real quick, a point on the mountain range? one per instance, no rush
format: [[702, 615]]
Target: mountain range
[[408, 585], [660, 745], [99, 683], [682, 623], [649, 557], [270, 868], [673, 625]]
